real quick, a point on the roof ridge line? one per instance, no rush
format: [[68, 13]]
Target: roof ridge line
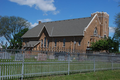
[[66, 20]]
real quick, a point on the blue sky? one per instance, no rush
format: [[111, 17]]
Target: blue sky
[[53, 10]]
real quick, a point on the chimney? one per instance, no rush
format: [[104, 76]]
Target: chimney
[[39, 22]]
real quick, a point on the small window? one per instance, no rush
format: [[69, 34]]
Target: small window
[[106, 22], [88, 43], [95, 31], [41, 42], [79, 42], [64, 42], [55, 42], [104, 36], [45, 42]]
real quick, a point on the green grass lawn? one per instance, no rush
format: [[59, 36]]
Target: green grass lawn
[[99, 75]]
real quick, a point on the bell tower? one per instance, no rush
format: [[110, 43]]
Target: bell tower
[[104, 23]]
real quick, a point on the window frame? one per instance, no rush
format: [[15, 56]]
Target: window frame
[[79, 42], [44, 41], [95, 31], [88, 44], [105, 36], [64, 42], [55, 42], [41, 42]]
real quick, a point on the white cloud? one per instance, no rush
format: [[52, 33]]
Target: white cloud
[[45, 20], [45, 14], [44, 5], [33, 25], [56, 12], [42, 20], [111, 29]]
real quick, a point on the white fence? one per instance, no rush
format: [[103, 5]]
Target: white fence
[[23, 64]]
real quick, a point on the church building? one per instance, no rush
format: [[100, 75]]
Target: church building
[[72, 35]]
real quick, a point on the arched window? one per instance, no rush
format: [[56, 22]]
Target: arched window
[[41, 42], [64, 42], [88, 43], [104, 35], [45, 42], [55, 42], [95, 31], [79, 42]]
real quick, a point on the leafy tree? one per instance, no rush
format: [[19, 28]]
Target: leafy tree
[[16, 42], [99, 45], [113, 45], [117, 20], [9, 26], [108, 44], [117, 30]]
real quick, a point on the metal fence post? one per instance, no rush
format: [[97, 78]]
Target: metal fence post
[[68, 63], [22, 68], [112, 62], [94, 63]]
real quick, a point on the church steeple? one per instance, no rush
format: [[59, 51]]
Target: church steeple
[[104, 22]]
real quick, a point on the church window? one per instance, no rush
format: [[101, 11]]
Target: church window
[[64, 42], [55, 42], [79, 42], [45, 42], [41, 42], [95, 31]]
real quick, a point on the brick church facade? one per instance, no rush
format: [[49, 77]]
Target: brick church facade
[[67, 35]]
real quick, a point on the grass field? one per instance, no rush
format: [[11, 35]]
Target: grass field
[[99, 75]]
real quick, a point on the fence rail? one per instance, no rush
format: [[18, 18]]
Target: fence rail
[[23, 64]]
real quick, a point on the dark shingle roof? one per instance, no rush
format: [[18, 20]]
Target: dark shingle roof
[[71, 27], [31, 43]]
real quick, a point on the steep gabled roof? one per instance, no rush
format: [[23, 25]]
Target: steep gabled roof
[[31, 43], [71, 27]]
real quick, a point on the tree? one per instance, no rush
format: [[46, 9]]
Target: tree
[[117, 20], [117, 30], [16, 42], [113, 45], [9, 26], [99, 45], [108, 44]]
